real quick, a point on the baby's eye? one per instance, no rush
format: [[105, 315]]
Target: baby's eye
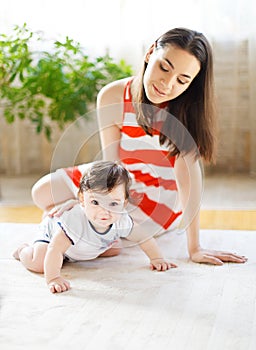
[[94, 202], [114, 204]]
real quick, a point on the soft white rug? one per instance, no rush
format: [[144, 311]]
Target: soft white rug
[[118, 303]]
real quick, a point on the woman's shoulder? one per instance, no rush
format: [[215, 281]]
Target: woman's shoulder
[[112, 92]]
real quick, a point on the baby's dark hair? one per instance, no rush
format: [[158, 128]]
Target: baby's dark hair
[[103, 176]]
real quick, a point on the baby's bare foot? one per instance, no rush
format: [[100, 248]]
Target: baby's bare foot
[[16, 254]]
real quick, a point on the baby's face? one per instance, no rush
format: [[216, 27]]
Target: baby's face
[[102, 210]]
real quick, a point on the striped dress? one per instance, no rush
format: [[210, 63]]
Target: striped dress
[[153, 191]]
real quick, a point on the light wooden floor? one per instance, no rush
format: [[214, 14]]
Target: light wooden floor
[[210, 219], [229, 202]]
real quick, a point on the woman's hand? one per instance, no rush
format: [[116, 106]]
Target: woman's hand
[[216, 257], [161, 264], [61, 208], [58, 285]]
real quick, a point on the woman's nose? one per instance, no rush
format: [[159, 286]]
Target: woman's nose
[[168, 83]]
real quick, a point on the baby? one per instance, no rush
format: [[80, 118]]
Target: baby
[[90, 229]]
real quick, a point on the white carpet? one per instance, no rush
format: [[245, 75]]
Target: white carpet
[[118, 303]]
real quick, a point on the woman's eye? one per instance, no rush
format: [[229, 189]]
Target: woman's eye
[[94, 202], [163, 68], [181, 82]]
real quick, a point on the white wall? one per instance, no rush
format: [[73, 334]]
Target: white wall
[[126, 28]]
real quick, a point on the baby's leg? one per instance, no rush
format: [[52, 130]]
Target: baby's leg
[[16, 254], [32, 257], [114, 250]]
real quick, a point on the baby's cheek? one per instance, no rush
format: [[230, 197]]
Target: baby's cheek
[[116, 216]]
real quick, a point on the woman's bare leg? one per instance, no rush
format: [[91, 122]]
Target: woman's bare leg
[[51, 190]]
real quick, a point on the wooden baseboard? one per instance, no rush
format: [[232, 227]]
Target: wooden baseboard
[[228, 219], [210, 219], [24, 214]]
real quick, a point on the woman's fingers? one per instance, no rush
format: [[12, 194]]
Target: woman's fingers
[[210, 259], [217, 257], [232, 258]]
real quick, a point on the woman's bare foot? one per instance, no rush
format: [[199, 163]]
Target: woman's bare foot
[[16, 254]]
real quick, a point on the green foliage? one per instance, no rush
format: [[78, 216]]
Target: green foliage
[[51, 86]]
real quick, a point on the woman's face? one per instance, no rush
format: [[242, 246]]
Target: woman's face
[[169, 73]]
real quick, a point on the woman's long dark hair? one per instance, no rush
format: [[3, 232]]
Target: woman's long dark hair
[[194, 108]]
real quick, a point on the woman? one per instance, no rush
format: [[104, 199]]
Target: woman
[[159, 124]]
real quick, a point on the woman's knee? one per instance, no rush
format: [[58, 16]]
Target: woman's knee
[[51, 190], [41, 193]]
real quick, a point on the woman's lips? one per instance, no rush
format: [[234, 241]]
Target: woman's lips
[[159, 92]]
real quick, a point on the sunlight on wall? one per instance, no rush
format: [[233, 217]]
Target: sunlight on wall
[[95, 24], [126, 28]]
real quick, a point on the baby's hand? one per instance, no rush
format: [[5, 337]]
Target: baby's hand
[[161, 264], [58, 285]]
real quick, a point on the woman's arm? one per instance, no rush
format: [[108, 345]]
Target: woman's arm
[[190, 187], [51, 189], [110, 117], [189, 182], [53, 263]]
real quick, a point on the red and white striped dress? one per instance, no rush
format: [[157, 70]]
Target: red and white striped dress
[[154, 186]]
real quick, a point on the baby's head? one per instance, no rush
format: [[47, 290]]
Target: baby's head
[[104, 176], [104, 192]]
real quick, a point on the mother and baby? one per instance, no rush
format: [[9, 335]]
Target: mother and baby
[[158, 125]]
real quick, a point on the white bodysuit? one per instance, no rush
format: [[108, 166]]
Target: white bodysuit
[[87, 243]]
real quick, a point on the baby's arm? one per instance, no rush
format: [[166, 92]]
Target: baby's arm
[[53, 263], [157, 261]]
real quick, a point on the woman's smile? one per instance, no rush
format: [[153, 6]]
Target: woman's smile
[[158, 91]]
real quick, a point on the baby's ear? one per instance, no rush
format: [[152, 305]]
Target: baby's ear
[[81, 198]]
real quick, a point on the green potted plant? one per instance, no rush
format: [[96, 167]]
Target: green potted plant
[[54, 86]]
